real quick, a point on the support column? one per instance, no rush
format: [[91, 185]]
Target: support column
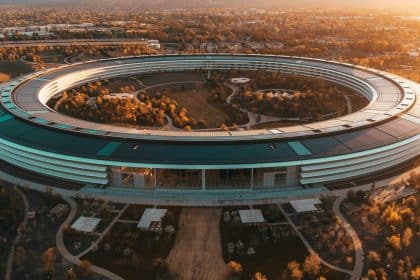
[[252, 178], [155, 177], [203, 179], [291, 175]]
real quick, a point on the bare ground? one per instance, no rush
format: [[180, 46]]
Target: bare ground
[[4, 77], [197, 253]]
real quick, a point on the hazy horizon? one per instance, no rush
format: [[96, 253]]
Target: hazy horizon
[[380, 4]]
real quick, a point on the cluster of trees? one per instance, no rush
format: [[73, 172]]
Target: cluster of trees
[[309, 269], [93, 102], [306, 98], [35, 53], [170, 107], [235, 272], [137, 252], [304, 105], [326, 234], [396, 226], [11, 213]]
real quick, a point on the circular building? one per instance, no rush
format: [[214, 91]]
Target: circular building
[[202, 167]]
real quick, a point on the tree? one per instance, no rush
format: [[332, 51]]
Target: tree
[[411, 202], [70, 274], [20, 255], [85, 266], [406, 237], [294, 270], [235, 270], [374, 257], [312, 265], [371, 274], [415, 273], [259, 276], [49, 258], [394, 241]]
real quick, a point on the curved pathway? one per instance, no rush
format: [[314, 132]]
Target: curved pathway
[[18, 236], [348, 102], [252, 117], [358, 249], [309, 247], [67, 255]]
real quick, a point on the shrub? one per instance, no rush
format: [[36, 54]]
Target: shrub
[[312, 265], [406, 237], [394, 241]]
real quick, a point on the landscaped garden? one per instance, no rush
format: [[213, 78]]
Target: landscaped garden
[[389, 233], [271, 249], [11, 216], [130, 251], [77, 242], [36, 256], [193, 100], [326, 235]]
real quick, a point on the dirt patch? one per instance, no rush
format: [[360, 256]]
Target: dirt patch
[[4, 77], [197, 253], [195, 98]]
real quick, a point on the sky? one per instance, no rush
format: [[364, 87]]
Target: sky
[[400, 4]]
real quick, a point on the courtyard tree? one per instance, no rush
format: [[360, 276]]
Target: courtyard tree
[[394, 241], [85, 266], [235, 270], [259, 276], [49, 258], [70, 274], [312, 265], [294, 270], [406, 237]]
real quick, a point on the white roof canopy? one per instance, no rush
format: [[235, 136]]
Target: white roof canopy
[[305, 205], [251, 216], [86, 224], [151, 215]]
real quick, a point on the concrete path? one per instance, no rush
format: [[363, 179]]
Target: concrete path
[[358, 249], [348, 101], [139, 82], [252, 117], [9, 266], [309, 247], [197, 253]]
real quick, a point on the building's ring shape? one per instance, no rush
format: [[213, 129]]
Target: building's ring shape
[[252, 164]]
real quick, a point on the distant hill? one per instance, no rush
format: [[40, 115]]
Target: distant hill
[[402, 4]]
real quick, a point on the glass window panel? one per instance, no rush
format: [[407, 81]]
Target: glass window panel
[[228, 178], [179, 178]]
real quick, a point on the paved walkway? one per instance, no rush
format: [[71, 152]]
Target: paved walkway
[[197, 253], [9, 266], [348, 101], [67, 255], [308, 245], [358, 249]]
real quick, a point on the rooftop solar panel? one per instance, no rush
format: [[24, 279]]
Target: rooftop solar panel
[[108, 149], [299, 148]]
